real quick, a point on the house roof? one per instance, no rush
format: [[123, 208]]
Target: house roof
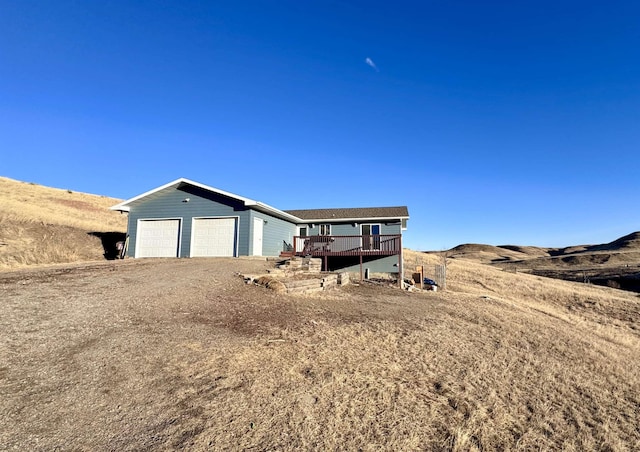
[[125, 205], [353, 213], [294, 216]]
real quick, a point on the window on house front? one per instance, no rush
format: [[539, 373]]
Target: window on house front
[[370, 237], [325, 229], [370, 229]]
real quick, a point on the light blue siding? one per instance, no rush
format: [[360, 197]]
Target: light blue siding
[[275, 232], [390, 227], [170, 203], [186, 202], [386, 264]]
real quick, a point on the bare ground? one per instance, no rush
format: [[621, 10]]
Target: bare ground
[[181, 354]]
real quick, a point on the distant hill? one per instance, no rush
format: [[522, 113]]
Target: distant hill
[[630, 242], [43, 225], [616, 263], [489, 254], [620, 251]]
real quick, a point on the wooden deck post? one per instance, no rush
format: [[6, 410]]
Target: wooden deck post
[[361, 275], [400, 270]]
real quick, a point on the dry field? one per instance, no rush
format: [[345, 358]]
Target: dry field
[[614, 264], [181, 354], [42, 225], [620, 252]]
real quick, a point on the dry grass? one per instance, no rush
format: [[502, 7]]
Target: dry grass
[[620, 256], [180, 354], [42, 225], [183, 355]]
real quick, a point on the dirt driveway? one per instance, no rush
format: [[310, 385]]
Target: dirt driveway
[[182, 354], [102, 356]]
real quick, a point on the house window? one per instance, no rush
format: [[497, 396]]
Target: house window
[[325, 229], [303, 232], [370, 237], [370, 229]]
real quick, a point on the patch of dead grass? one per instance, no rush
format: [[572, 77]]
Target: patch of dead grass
[[42, 225], [174, 354]]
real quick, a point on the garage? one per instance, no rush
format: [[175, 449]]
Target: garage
[[214, 237], [158, 238]]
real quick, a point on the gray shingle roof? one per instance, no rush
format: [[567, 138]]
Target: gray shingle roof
[[351, 213]]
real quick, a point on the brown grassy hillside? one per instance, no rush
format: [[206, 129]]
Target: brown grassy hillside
[[42, 225], [181, 354], [622, 251], [615, 264]]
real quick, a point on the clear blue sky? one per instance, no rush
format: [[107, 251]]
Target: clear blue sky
[[498, 122]]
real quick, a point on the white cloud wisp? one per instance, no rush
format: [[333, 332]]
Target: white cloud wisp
[[370, 62]]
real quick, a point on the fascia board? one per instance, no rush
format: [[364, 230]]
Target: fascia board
[[120, 207], [246, 201], [344, 220], [124, 206], [277, 212]]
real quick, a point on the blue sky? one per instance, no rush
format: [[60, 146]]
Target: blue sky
[[496, 122]]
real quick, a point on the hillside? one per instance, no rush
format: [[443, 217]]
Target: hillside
[[147, 354], [616, 263], [181, 354], [621, 251], [42, 225]]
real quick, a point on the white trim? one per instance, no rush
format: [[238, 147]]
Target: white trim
[[236, 251], [324, 226], [299, 243], [370, 234], [180, 224], [253, 237], [351, 220], [123, 206], [371, 224], [260, 206]]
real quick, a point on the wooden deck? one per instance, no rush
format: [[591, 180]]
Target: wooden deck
[[347, 245]]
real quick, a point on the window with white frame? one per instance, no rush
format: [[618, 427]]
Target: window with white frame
[[325, 229], [370, 237]]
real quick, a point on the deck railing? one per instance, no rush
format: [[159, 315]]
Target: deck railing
[[347, 245]]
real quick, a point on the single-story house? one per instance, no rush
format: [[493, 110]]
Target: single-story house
[[188, 219]]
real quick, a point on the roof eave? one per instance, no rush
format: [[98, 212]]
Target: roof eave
[[120, 208], [247, 202], [124, 206], [277, 212], [357, 219]]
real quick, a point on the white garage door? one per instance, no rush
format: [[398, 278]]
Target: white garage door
[[157, 238], [213, 237]]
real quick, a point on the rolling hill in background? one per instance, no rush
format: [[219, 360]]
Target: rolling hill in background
[[616, 264], [42, 225]]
